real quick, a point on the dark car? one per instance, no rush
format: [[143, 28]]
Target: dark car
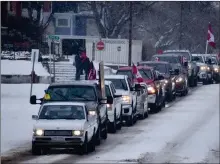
[[156, 98], [168, 72], [180, 71]]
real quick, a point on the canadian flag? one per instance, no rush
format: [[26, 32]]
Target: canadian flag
[[137, 74], [92, 73], [211, 39]]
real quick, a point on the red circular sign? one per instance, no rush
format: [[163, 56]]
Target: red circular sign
[[100, 45]]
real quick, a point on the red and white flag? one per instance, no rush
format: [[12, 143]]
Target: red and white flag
[[137, 74], [211, 39]]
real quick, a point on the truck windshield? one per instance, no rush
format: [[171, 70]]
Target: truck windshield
[[72, 93], [126, 72], [169, 59], [200, 60], [185, 54], [159, 67], [119, 84], [70, 112]]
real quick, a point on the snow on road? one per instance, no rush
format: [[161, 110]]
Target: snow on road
[[16, 112], [187, 131]]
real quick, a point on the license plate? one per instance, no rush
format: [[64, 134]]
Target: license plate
[[58, 139]]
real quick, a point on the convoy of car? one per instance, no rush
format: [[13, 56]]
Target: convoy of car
[[80, 114]]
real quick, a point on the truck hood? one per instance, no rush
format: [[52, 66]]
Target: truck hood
[[122, 92], [60, 124]]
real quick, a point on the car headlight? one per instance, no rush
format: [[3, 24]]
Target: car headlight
[[77, 132], [126, 99], [203, 68], [180, 79], [216, 69], [166, 81], [208, 68], [38, 132], [92, 112], [151, 90]]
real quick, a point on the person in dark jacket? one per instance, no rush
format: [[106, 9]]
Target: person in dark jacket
[[78, 65]]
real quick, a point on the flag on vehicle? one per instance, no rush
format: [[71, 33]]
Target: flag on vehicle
[[137, 74], [210, 38]]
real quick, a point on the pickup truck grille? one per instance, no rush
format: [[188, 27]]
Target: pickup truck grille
[[58, 133]]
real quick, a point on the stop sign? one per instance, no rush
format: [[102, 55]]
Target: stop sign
[[100, 45]]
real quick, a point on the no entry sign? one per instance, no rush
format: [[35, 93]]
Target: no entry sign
[[100, 45]]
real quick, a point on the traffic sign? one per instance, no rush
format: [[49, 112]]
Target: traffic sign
[[100, 45], [54, 37]]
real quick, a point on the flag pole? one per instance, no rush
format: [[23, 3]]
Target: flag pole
[[206, 48]]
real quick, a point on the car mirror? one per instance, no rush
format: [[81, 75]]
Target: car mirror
[[33, 99], [137, 87], [110, 100], [116, 96], [34, 117], [131, 89], [185, 64], [176, 72], [160, 77]]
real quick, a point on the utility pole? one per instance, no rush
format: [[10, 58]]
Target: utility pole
[[181, 25], [130, 35]]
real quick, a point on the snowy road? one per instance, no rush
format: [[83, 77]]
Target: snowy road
[[187, 131]]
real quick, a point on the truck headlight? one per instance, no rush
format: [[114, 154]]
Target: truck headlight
[[151, 90], [92, 112], [77, 132], [203, 68], [208, 68], [180, 79], [126, 99], [109, 106], [39, 132]]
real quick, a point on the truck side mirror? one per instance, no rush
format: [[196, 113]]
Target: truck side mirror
[[33, 99], [110, 100], [137, 87]]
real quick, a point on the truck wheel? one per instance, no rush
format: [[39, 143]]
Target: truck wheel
[[84, 148], [130, 120], [105, 131], [146, 114], [195, 82], [142, 116], [113, 125], [36, 150], [204, 82], [98, 136]]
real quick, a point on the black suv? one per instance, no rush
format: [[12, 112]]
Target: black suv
[[82, 91]]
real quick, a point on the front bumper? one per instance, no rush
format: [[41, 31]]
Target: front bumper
[[59, 142], [204, 75], [180, 87]]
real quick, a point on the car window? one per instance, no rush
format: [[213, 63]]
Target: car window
[[113, 88], [199, 58], [71, 112], [125, 72], [119, 84], [145, 73], [158, 66], [73, 92], [170, 59], [107, 91]]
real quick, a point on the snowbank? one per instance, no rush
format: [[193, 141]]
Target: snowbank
[[16, 112], [18, 67], [107, 70]]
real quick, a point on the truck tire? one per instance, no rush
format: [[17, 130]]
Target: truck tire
[[104, 133], [92, 143], [195, 82], [130, 120], [113, 125], [84, 148], [98, 136], [36, 150]]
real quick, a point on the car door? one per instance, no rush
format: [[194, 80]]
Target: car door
[[117, 100]]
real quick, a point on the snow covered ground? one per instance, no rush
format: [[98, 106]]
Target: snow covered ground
[[19, 67], [16, 112], [187, 131]]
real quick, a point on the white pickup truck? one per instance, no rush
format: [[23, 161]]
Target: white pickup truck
[[64, 125], [124, 87]]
